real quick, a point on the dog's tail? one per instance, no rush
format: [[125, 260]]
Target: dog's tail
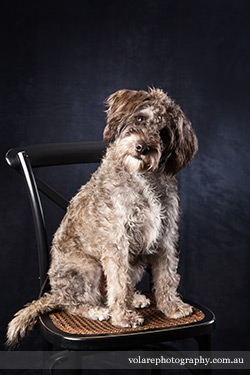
[[25, 319]]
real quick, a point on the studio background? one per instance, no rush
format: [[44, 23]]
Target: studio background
[[61, 59]]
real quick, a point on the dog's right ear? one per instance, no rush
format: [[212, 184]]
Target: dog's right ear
[[115, 112]]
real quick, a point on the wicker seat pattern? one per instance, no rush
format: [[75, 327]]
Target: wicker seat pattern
[[153, 319]]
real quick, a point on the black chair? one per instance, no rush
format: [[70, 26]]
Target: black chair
[[73, 333]]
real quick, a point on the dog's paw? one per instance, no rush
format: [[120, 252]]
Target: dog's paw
[[100, 313], [130, 319], [103, 314], [140, 301], [180, 310]]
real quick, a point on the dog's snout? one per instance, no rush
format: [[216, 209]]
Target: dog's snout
[[142, 148]]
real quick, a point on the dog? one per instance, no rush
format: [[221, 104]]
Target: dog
[[124, 220]]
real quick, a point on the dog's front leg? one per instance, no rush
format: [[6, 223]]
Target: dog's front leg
[[120, 290], [166, 281]]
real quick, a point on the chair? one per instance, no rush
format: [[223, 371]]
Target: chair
[[74, 333]]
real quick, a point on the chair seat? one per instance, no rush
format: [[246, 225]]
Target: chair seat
[[153, 319], [78, 333]]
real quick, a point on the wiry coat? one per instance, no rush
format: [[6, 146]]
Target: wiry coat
[[123, 220]]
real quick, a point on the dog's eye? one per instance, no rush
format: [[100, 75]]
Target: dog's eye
[[130, 131], [140, 119]]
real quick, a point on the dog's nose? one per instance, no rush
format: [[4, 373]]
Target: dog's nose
[[142, 148]]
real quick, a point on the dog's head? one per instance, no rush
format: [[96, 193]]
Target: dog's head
[[152, 131]]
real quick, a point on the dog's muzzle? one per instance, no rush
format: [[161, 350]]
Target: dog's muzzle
[[142, 148]]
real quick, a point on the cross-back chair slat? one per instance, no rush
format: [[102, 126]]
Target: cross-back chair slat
[[25, 159]]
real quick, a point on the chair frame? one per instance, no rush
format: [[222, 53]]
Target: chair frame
[[24, 160]]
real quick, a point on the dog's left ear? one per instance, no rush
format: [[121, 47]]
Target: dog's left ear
[[183, 144]]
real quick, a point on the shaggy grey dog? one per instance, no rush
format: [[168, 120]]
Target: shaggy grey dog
[[123, 220]]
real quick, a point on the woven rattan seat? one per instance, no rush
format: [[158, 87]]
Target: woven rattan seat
[[153, 319]]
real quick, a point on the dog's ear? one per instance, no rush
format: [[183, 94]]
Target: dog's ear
[[114, 115], [180, 142], [120, 105]]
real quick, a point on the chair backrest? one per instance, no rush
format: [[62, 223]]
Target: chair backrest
[[26, 159]]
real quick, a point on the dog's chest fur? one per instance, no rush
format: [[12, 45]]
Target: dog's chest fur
[[123, 207], [138, 202]]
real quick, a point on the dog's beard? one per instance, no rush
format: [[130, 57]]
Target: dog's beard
[[134, 162]]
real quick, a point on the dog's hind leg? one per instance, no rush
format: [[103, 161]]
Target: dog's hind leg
[[78, 285]]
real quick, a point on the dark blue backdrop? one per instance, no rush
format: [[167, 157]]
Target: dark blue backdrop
[[61, 59]]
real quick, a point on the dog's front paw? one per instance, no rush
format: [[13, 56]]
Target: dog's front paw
[[130, 319], [96, 313], [103, 313], [178, 310], [140, 301]]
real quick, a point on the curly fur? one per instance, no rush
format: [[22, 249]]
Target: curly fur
[[123, 220]]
